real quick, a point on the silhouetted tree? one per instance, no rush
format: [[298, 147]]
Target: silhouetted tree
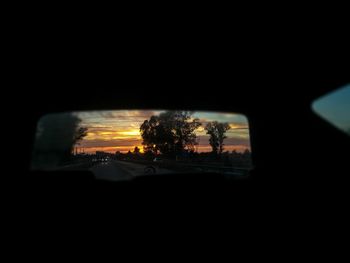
[[217, 132], [149, 155], [170, 132], [136, 150], [56, 136], [129, 155], [80, 133], [235, 153], [246, 152], [118, 155]]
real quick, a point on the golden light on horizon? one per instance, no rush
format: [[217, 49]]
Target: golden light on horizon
[[238, 126], [106, 133], [134, 132], [141, 148], [113, 135]]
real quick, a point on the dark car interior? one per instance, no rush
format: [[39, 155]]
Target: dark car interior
[[294, 151], [296, 154], [267, 62]]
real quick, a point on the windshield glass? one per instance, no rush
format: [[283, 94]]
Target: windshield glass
[[123, 144]]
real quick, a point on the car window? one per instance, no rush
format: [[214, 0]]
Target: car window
[[124, 144], [335, 108]]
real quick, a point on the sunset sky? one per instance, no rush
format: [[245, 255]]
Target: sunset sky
[[112, 131]]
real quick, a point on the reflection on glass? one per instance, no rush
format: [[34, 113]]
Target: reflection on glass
[[124, 144], [335, 108]]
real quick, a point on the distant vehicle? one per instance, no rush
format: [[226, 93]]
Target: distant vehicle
[[102, 159]]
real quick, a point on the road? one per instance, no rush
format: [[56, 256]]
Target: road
[[121, 171]]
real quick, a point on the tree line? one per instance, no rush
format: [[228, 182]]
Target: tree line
[[174, 132]]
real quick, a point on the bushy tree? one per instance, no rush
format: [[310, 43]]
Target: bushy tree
[[56, 136], [169, 133], [217, 132], [136, 150]]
